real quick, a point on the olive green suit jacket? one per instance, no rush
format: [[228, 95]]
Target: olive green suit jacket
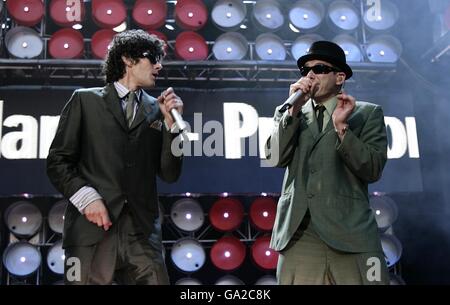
[[328, 177]]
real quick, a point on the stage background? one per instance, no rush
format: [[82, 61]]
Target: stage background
[[420, 186]]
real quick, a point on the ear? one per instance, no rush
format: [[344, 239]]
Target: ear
[[127, 61], [340, 79]]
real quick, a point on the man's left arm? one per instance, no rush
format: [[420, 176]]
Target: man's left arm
[[170, 165], [366, 155]]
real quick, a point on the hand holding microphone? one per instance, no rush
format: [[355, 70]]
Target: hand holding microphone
[[299, 94], [171, 107]]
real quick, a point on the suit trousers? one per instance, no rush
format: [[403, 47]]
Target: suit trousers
[[307, 260], [125, 255]]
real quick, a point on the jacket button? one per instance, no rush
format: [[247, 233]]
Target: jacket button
[[313, 171]]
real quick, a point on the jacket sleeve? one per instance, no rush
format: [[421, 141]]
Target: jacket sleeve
[[64, 153], [280, 146], [366, 155], [170, 165]]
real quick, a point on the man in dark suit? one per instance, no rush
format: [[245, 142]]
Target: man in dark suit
[[110, 145], [332, 147]]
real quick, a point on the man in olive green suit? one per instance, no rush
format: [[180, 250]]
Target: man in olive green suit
[[331, 147]]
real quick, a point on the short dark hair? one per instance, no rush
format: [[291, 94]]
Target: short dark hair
[[131, 44]]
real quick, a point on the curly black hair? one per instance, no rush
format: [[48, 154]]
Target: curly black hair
[[133, 44]]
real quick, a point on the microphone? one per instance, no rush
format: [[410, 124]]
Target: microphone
[[178, 119], [291, 101], [176, 116], [295, 97]]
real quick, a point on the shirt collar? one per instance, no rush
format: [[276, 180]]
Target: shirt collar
[[123, 91], [329, 104]]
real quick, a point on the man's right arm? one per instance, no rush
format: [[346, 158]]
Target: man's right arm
[[62, 166], [283, 140], [64, 153]]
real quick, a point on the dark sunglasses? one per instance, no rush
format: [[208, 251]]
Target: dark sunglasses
[[152, 58], [318, 69]]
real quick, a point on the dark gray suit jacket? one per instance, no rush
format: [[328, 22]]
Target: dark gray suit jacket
[[93, 146]]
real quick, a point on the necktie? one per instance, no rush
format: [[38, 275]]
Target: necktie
[[321, 109], [129, 108]]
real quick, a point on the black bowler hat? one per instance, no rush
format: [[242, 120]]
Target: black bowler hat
[[327, 51]]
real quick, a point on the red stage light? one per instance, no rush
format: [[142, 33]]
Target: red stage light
[[191, 46], [228, 253], [66, 44], [67, 15], [226, 214], [191, 14], [108, 13], [150, 14], [100, 42], [262, 213], [26, 12], [263, 256]]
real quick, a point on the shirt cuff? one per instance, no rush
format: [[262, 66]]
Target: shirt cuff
[[83, 197], [174, 128]]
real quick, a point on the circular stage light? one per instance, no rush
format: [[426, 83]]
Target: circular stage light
[[262, 213], [100, 42], [187, 214], [188, 255], [21, 259], [350, 46], [384, 49], [382, 18], [23, 219], [191, 46], [228, 14], [160, 35], [55, 258], [267, 15], [269, 46], [230, 46], [26, 12], [267, 280], [23, 42], [149, 14], [343, 16], [67, 15], [302, 44], [392, 249], [191, 14], [263, 256], [56, 216], [188, 281], [229, 280], [66, 44], [228, 253], [226, 214], [307, 15], [108, 13], [385, 211]]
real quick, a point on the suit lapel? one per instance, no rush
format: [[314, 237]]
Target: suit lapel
[[113, 103], [148, 110], [308, 112]]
